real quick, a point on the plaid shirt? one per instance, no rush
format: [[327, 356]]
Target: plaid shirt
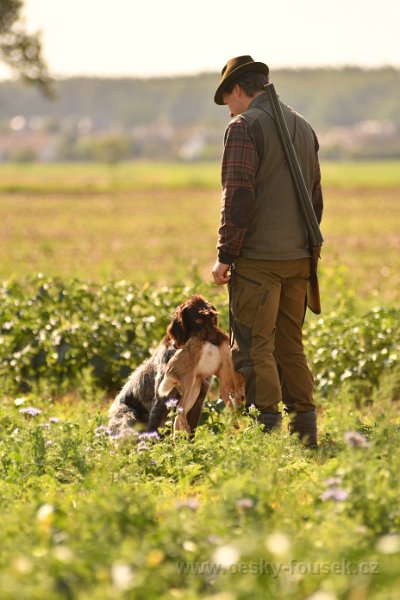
[[238, 175]]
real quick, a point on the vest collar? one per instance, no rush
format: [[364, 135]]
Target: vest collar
[[258, 100]]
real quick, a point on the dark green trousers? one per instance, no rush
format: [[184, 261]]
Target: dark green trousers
[[268, 303]]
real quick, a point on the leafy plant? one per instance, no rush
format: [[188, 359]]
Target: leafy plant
[[55, 335]]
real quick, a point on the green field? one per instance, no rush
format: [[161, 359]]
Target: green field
[[232, 514], [85, 177], [157, 222]]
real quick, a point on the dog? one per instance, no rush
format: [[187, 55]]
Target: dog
[[139, 403], [200, 359]]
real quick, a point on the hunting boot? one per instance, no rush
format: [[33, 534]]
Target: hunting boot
[[304, 425], [270, 420]]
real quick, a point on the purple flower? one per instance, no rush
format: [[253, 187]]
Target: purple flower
[[148, 435], [334, 493], [245, 503], [54, 420], [102, 430], [171, 403], [191, 503], [31, 411], [356, 440], [333, 481], [128, 431]]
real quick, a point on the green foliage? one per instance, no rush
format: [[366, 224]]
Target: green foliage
[[20, 50], [341, 97], [353, 348], [54, 334], [232, 513], [23, 155], [106, 149]]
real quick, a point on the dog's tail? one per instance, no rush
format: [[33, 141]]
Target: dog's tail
[[167, 385]]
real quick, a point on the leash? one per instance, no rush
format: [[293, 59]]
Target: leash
[[231, 285]]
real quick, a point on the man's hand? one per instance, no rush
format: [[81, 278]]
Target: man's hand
[[220, 273]]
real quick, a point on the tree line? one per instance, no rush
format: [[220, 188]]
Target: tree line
[[164, 115]]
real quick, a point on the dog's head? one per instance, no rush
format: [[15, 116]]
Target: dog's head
[[193, 316]]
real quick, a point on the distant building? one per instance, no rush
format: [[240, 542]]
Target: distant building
[[38, 145]]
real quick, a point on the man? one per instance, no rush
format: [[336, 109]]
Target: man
[[263, 242]]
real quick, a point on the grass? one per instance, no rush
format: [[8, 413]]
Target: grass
[[139, 235], [364, 174], [81, 178], [232, 514]]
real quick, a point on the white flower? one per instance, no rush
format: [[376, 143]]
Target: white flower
[[322, 595], [189, 546], [121, 575], [19, 401], [23, 565], [278, 543], [389, 544], [44, 512], [226, 556], [63, 554]]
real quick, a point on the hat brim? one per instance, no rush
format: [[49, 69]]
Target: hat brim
[[251, 67]]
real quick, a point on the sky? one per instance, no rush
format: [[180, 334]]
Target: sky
[[151, 38]]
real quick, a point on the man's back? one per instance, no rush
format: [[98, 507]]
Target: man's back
[[277, 230]]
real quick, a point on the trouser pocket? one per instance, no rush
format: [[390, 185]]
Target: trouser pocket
[[249, 295]]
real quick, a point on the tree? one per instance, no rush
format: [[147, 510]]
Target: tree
[[20, 50]]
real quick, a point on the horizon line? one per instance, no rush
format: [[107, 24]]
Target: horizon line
[[182, 74]]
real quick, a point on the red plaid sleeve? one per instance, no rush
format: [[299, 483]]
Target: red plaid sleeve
[[239, 167]]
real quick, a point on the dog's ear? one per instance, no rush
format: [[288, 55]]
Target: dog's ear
[[177, 330]]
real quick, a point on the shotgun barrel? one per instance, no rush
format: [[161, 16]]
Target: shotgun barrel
[[314, 232]]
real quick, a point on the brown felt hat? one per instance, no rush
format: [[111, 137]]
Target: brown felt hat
[[234, 68]]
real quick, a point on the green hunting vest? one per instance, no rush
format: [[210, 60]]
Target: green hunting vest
[[277, 230]]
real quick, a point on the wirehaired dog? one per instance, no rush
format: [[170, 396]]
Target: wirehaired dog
[[139, 402], [199, 359]]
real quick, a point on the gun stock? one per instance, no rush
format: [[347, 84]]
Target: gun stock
[[313, 297]]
